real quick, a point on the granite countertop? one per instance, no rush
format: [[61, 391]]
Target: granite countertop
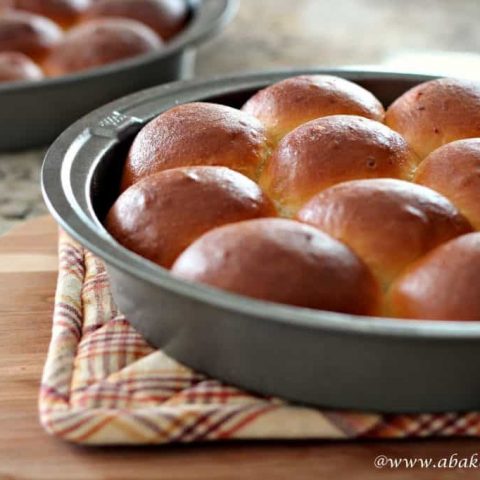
[[279, 33]]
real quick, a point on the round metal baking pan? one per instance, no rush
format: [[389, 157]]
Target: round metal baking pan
[[309, 356], [33, 114]]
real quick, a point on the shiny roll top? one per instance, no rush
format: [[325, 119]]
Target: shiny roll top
[[27, 33], [63, 12], [281, 261], [388, 223], [287, 104], [166, 17], [198, 134], [454, 171], [436, 112], [15, 67], [100, 42], [442, 285], [331, 150], [162, 214]]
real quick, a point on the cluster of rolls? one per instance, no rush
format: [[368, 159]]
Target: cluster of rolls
[[41, 38], [312, 195]]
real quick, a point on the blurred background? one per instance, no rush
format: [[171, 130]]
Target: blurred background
[[440, 36], [409, 33]]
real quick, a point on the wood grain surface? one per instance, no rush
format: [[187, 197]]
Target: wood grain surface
[[27, 283]]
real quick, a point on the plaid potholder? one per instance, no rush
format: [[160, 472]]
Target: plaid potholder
[[103, 384]]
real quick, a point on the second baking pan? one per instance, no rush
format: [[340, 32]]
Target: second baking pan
[[32, 114]]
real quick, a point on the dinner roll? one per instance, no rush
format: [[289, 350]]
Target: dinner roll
[[63, 12], [16, 66], [281, 261], [285, 105], [388, 223], [162, 214], [443, 285], [166, 17], [436, 112], [331, 150], [198, 134], [100, 42], [30, 34], [454, 171]]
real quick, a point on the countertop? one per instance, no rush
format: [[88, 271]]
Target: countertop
[[285, 33]]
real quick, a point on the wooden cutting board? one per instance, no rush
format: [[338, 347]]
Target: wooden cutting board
[[27, 285]]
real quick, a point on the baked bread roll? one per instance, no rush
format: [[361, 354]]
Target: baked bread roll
[[285, 105], [388, 223], [435, 113], [16, 67], [101, 42], [162, 214], [281, 261], [63, 12], [443, 285], [454, 171], [198, 134], [331, 150], [166, 17], [30, 34]]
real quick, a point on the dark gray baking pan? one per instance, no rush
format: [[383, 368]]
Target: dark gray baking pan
[[34, 113], [308, 356]]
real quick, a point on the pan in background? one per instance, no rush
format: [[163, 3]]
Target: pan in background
[[32, 114], [309, 356]]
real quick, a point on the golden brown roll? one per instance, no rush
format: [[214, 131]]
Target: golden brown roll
[[16, 67], [281, 261], [30, 34], [388, 223], [162, 214], [454, 171], [443, 285], [285, 105], [198, 134], [101, 42], [63, 12], [436, 112], [331, 150], [166, 17]]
